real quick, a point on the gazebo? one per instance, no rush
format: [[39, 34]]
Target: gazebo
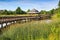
[[33, 11]]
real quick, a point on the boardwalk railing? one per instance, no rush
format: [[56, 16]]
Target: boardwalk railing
[[14, 19]]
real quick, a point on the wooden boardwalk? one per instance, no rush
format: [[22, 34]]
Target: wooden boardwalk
[[10, 19]]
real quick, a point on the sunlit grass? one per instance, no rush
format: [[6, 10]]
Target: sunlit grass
[[20, 15], [35, 30]]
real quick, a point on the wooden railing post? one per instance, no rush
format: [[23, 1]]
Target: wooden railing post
[[1, 25], [6, 23]]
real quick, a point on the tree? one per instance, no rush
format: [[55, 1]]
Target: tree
[[1, 12], [58, 7], [23, 12], [59, 4], [10, 12], [51, 11], [43, 12], [28, 10], [18, 10], [5, 12]]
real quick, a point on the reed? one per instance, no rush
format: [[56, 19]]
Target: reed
[[35, 30]]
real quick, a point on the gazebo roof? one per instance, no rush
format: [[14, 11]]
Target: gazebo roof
[[33, 11]]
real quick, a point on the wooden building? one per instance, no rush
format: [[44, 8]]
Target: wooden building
[[33, 11]]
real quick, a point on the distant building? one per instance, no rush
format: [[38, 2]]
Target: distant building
[[33, 11]]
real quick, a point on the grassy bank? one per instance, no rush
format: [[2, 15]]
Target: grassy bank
[[35, 30], [19, 15]]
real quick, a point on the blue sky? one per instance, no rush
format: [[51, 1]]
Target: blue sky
[[28, 4]]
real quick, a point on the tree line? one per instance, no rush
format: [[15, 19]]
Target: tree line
[[17, 11], [20, 11], [52, 11]]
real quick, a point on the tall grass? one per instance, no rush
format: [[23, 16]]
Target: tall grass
[[19, 15], [36, 30]]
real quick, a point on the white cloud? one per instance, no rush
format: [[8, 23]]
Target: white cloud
[[24, 4]]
